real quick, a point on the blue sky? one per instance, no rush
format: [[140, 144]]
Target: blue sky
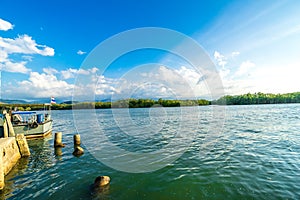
[[254, 45]]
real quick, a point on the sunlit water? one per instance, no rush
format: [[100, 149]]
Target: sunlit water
[[256, 156]]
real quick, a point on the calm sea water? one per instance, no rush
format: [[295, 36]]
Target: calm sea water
[[256, 156]]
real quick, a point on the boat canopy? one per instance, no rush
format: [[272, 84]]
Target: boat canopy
[[24, 112]]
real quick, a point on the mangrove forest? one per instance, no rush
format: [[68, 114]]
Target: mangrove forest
[[245, 99]]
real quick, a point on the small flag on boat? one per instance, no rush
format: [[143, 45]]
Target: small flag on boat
[[53, 100]]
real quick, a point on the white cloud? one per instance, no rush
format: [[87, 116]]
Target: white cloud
[[79, 52], [93, 70], [41, 85], [235, 53], [15, 67], [69, 73], [93, 86], [221, 59], [218, 55], [28, 58], [264, 79], [189, 74], [83, 71], [105, 86], [5, 25], [276, 79], [244, 68], [50, 70], [160, 82], [51, 82], [3, 56], [24, 44], [72, 73]]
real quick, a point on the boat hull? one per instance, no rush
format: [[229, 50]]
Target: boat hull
[[42, 130]]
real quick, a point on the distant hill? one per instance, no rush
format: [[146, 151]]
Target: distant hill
[[13, 101], [43, 100], [32, 101], [69, 102]]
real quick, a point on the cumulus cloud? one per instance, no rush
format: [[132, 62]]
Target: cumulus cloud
[[69, 73], [159, 82], [72, 73], [24, 44], [90, 86], [51, 82], [105, 86], [5, 25], [50, 70], [3, 56], [235, 81], [275, 80], [79, 52], [16, 67], [262, 79], [190, 75], [156, 82], [244, 68], [40, 85], [221, 59]]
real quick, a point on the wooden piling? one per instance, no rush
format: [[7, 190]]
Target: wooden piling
[[76, 138], [23, 145], [11, 131], [5, 129], [58, 140], [2, 182], [58, 151]]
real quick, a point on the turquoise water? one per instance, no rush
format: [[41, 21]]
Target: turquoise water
[[256, 156]]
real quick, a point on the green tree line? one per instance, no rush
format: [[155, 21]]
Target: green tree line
[[127, 103], [147, 103], [245, 99], [259, 98]]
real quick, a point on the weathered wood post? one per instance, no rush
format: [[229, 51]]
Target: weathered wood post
[[58, 151], [11, 132], [5, 128], [76, 138], [58, 140], [2, 183], [23, 145], [78, 151]]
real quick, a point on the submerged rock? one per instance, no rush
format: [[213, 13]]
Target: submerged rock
[[100, 188], [101, 181], [78, 151]]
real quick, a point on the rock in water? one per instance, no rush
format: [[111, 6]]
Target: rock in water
[[101, 181], [100, 188], [78, 151]]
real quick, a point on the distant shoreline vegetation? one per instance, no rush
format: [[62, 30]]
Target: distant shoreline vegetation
[[258, 98], [245, 99]]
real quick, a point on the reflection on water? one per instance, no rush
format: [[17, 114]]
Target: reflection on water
[[10, 181], [101, 193], [257, 156], [40, 151]]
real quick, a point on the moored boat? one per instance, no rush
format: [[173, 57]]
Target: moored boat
[[33, 124]]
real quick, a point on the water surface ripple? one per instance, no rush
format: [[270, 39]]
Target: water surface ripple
[[257, 156]]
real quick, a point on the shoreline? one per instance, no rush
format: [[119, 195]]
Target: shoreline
[[245, 99]]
